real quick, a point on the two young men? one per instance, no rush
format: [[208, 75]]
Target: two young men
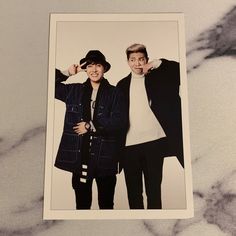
[[143, 114]]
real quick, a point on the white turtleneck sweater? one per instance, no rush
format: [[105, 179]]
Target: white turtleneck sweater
[[144, 126]]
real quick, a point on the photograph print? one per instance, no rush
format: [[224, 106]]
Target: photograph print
[[117, 122]]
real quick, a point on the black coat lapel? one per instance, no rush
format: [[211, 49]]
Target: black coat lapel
[[126, 90]]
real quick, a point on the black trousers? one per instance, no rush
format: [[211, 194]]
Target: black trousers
[[83, 191], [144, 159]]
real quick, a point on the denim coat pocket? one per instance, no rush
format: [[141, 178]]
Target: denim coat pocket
[[73, 113], [69, 149]]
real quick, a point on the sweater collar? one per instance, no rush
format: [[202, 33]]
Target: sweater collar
[[136, 76]]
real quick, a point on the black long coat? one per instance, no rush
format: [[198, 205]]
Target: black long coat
[[162, 87]]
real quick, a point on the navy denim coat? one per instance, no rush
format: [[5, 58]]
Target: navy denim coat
[[108, 119]]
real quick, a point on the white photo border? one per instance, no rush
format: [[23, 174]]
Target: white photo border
[[49, 213]]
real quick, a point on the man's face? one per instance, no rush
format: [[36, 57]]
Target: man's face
[[136, 61], [95, 72]]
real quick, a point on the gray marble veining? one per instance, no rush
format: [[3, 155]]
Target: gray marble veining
[[28, 231], [219, 40], [24, 138], [213, 154]]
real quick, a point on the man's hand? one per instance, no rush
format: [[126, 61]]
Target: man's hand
[[80, 128], [75, 68], [150, 65]]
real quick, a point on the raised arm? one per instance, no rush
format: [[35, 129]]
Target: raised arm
[[61, 89]]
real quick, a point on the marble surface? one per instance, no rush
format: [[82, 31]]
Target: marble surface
[[211, 52]]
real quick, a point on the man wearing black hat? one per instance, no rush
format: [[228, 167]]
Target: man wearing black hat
[[90, 141]]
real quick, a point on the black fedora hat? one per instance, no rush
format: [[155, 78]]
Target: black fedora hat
[[95, 56]]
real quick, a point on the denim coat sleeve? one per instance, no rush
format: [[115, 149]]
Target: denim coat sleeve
[[61, 90]]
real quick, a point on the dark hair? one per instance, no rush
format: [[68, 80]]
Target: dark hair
[[136, 48]]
